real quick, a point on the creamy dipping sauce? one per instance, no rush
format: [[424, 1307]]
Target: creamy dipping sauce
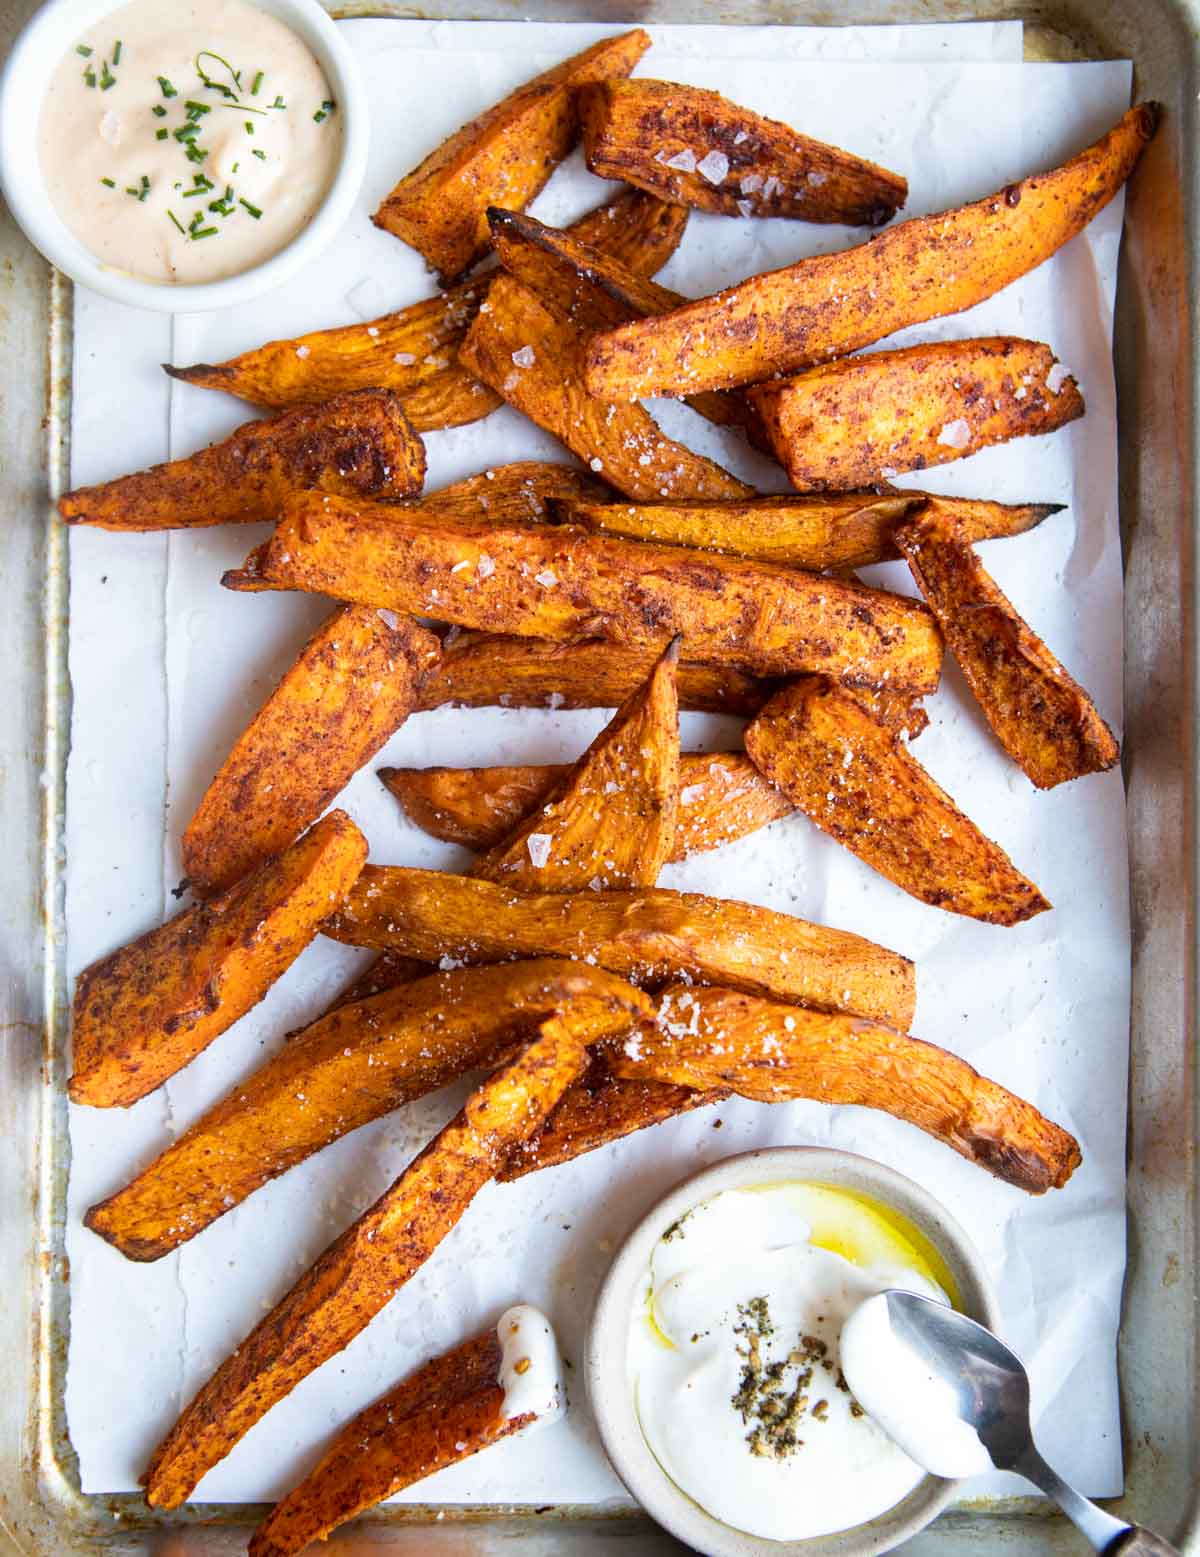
[[187, 140], [734, 1356], [530, 1365]]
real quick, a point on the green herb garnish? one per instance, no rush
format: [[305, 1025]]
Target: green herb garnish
[[205, 232], [177, 222], [167, 89], [89, 77], [258, 81], [324, 111], [200, 186], [161, 135], [108, 183], [83, 51], [140, 192], [194, 154], [107, 79], [218, 86], [261, 155], [196, 110], [117, 52], [253, 209], [279, 102], [159, 111], [186, 132], [249, 126]]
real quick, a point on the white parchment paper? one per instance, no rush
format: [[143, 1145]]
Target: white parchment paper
[[167, 667]]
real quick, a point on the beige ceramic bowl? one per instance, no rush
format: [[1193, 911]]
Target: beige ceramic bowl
[[605, 1354]]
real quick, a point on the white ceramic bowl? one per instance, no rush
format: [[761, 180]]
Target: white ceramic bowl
[[36, 53], [606, 1348]]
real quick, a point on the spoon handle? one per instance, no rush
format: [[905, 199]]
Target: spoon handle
[[1103, 1532], [1137, 1542]]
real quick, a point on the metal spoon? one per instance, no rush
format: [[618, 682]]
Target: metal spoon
[[984, 1385]]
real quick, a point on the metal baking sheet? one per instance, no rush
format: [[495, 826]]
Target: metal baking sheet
[[39, 1498]]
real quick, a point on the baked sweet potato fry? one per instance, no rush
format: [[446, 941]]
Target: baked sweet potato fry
[[447, 1410], [353, 1065], [1042, 717], [503, 157], [355, 443], [843, 530], [610, 822], [355, 682], [601, 1107], [589, 289], [518, 492], [832, 304], [688, 144], [761, 1049], [535, 361], [645, 936], [414, 351], [851, 776], [480, 670], [143, 1012], [723, 796], [546, 581], [361, 1271], [851, 422]]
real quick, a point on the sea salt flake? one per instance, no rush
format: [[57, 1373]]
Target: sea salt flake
[[538, 845], [545, 578], [742, 135], [691, 794], [404, 358], [817, 179], [596, 464], [525, 357], [302, 352], [1056, 378], [956, 434], [485, 567], [746, 207], [750, 182], [683, 161], [713, 167], [769, 188], [388, 618]]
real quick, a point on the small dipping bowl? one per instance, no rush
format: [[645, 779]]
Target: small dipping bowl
[[35, 55], [605, 1354]]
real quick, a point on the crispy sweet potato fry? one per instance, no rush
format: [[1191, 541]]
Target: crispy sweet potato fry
[[520, 492], [447, 1410], [351, 1066], [688, 144], [1043, 718], [723, 796], [591, 290], [844, 530], [763, 1050], [849, 423], [479, 670], [356, 443], [832, 304], [355, 682], [546, 581], [601, 1107], [145, 1011], [645, 936], [503, 157], [611, 820], [851, 776], [362, 1270], [534, 360], [414, 352]]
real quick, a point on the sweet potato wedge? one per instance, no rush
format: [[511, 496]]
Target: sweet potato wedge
[[851, 422], [644, 936], [354, 683], [761, 1049], [1042, 717], [143, 1012], [610, 822], [601, 1107], [480, 670], [360, 442], [362, 1270], [723, 796], [449, 1409], [520, 491], [546, 581], [351, 1066], [843, 530], [414, 352], [832, 304], [688, 144], [535, 361], [851, 776], [589, 289], [503, 157]]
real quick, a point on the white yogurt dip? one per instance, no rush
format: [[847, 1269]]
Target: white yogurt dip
[[734, 1357], [530, 1366], [184, 141], [911, 1404]]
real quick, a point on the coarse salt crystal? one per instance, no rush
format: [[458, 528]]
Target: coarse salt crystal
[[817, 179], [956, 434], [742, 135], [713, 167], [555, 700], [596, 464], [485, 567], [404, 358], [1056, 378], [538, 845], [388, 618], [683, 161], [750, 182], [372, 330], [691, 794], [545, 578], [771, 185], [459, 566], [525, 357], [302, 352], [746, 207]]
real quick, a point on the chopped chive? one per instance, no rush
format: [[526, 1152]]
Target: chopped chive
[[218, 86], [167, 89], [117, 52], [107, 79], [249, 126], [89, 77], [196, 221], [253, 209], [258, 81], [177, 222], [205, 232], [196, 109], [200, 186], [236, 166], [108, 183], [194, 154], [329, 105], [159, 111], [145, 187], [161, 135], [83, 50], [279, 102], [243, 108], [261, 155], [320, 116], [186, 132]]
